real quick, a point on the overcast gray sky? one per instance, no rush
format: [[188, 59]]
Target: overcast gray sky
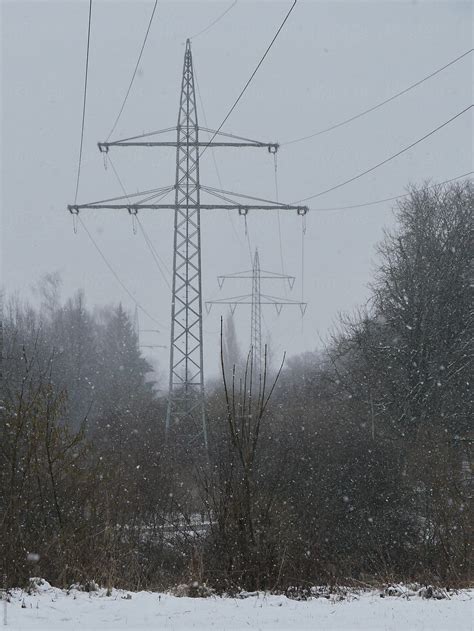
[[332, 60]]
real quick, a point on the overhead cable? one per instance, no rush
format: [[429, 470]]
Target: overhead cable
[[277, 197], [116, 276], [148, 241], [154, 253], [134, 71], [391, 199], [251, 77], [214, 22], [228, 214], [379, 164], [375, 107], [84, 101]]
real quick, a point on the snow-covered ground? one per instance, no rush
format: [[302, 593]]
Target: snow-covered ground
[[52, 609]]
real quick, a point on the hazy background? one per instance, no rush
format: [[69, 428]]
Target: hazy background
[[332, 60]]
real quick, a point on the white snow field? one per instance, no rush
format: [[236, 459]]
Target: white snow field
[[52, 609]]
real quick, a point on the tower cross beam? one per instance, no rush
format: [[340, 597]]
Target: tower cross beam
[[242, 208], [104, 146]]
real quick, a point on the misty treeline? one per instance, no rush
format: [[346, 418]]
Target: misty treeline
[[347, 465]]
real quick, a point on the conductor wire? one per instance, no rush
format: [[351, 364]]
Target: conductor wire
[[375, 107], [86, 76], [134, 72], [249, 81], [218, 19], [280, 240], [392, 157]]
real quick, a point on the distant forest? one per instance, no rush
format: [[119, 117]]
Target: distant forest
[[351, 465]]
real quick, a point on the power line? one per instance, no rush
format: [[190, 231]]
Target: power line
[[229, 216], [375, 107], [391, 199], [135, 70], [395, 155], [218, 19], [251, 77], [280, 239], [154, 253], [112, 270], [84, 101], [148, 242], [114, 273]]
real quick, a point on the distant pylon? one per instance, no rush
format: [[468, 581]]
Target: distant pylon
[[256, 299]]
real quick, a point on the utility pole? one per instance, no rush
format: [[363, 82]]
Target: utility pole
[[186, 374], [256, 299]]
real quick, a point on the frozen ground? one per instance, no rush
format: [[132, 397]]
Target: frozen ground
[[52, 610]]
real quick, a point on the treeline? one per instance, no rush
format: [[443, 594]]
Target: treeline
[[351, 464]]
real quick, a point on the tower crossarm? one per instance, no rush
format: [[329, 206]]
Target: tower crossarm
[[235, 141], [264, 275], [104, 146], [247, 300], [242, 208]]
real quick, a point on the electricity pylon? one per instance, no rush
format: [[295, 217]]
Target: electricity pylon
[[256, 299], [186, 378]]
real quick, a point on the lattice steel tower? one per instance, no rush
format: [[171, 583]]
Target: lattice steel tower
[[256, 299], [186, 379], [186, 382]]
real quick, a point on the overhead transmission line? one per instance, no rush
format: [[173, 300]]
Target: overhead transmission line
[[116, 276], [242, 92], [86, 75], [379, 164], [216, 168], [391, 199], [134, 71], [375, 107], [218, 19], [104, 258], [161, 194], [153, 252]]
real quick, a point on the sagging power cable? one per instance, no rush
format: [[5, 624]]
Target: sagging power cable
[[375, 107], [86, 76], [115, 275], [392, 157], [390, 199], [134, 71], [242, 92], [214, 22], [156, 257]]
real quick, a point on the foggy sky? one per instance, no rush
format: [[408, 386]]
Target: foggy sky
[[332, 60]]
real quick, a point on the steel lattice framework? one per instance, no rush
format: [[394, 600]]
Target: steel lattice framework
[[256, 300], [186, 379]]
